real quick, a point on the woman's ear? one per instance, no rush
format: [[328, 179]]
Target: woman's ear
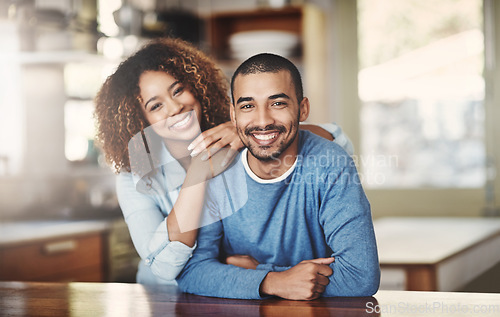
[[304, 109]]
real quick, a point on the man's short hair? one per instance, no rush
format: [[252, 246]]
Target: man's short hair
[[269, 63]]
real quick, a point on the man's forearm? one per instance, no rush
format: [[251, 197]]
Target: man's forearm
[[212, 278]]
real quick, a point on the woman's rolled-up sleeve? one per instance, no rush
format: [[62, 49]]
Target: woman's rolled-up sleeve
[[339, 136], [145, 215]]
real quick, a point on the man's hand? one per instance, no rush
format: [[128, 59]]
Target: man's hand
[[305, 281], [244, 261]]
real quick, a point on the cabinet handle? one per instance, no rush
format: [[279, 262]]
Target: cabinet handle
[[59, 247]]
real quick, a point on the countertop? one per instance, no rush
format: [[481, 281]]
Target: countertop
[[17, 232], [429, 240]]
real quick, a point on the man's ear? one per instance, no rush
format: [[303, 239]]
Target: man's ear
[[231, 112], [304, 109]]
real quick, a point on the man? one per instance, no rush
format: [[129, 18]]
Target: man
[[307, 221]]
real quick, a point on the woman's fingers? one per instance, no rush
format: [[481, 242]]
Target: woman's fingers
[[215, 139], [201, 145], [206, 134], [217, 146], [230, 155], [233, 143], [202, 141]]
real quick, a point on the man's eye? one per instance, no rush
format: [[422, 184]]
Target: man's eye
[[245, 106], [279, 104]]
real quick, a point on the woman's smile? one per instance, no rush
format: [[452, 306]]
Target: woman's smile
[[183, 121]]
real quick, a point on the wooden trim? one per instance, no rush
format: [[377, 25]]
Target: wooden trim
[[421, 278]]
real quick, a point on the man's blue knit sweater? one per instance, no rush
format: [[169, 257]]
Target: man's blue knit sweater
[[316, 209]]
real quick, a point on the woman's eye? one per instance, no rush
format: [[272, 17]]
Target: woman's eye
[[178, 90], [155, 106]]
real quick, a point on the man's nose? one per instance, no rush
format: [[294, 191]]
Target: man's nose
[[264, 117]]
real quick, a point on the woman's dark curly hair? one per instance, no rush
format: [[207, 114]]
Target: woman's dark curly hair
[[118, 114]]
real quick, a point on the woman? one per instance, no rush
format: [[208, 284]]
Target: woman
[[149, 116]]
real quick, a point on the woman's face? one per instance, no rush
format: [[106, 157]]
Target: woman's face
[[170, 108]]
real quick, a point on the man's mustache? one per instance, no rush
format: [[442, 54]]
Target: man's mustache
[[271, 127]]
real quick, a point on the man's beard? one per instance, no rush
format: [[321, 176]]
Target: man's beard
[[254, 150]]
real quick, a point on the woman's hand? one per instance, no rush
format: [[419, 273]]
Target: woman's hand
[[244, 261], [212, 141], [318, 131], [202, 170]]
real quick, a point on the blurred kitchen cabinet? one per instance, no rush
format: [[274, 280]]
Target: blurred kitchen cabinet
[[122, 258], [308, 21], [78, 258], [223, 25], [82, 251]]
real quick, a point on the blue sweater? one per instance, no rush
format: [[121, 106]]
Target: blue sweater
[[317, 210]]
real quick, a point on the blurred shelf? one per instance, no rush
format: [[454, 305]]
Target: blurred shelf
[[223, 25]]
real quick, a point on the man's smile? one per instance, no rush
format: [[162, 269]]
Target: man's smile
[[266, 136]]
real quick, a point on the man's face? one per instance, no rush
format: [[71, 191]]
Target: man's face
[[266, 113]]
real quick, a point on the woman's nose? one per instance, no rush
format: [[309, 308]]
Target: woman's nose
[[174, 108]]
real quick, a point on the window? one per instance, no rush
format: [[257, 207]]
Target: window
[[471, 127], [82, 81], [11, 123], [422, 93], [80, 131]]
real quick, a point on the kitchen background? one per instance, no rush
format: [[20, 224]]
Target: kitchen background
[[412, 83]]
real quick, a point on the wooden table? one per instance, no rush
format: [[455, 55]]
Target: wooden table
[[113, 299], [435, 254]]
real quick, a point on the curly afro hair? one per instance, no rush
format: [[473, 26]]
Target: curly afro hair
[[118, 114]]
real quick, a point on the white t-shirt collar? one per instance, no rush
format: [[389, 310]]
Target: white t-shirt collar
[[244, 160]]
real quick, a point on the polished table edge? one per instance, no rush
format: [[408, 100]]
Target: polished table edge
[[120, 299], [96, 299], [174, 294], [161, 293]]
